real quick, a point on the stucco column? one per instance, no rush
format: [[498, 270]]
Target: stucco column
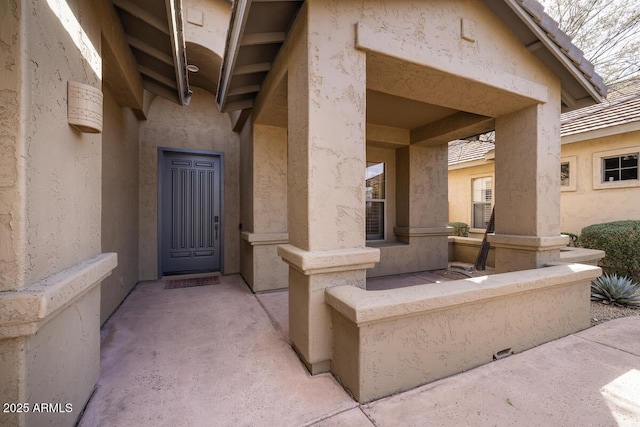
[[326, 173], [265, 195], [527, 210]]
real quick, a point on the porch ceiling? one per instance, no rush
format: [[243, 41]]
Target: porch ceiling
[[153, 30], [259, 27]]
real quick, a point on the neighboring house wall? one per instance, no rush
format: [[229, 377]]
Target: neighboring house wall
[[119, 201], [587, 205], [199, 126], [460, 192], [584, 202]]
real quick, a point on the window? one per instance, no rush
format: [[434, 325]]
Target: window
[[375, 201], [482, 198], [620, 168], [616, 168], [568, 173], [564, 174]]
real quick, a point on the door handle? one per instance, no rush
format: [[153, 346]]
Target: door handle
[[215, 227]]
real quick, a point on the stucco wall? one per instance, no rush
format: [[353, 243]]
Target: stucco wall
[[586, 205], [460, 191], [64, 166], [119, 202], [198, 126]]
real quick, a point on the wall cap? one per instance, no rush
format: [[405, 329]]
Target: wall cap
[[23, 312], [364, 307], [256, 239], [528, 243], [422, 231], [318, 262]]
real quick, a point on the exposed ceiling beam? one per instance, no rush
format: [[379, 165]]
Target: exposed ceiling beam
[[243, 89], [142, 14], [252, 68], [458, 126], [160, 90], [262, 38], [157, 76], [150, 50], [238, 105]]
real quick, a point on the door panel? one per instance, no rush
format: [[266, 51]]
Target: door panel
[[190, 213]]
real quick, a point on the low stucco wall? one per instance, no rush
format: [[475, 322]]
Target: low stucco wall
[[422, 253], [466, 249], [50, 344], [389, 341]]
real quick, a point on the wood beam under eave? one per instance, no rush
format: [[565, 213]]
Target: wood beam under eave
[[262, 38], [457, 126], [238, 105], [252, 68], [243, 90], [143, 15], [150, 50], [160, 90], [157, 77], [120, 71]]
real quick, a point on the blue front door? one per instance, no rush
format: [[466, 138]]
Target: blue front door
[[190, 213]]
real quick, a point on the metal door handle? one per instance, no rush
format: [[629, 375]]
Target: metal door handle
[[215, 227]]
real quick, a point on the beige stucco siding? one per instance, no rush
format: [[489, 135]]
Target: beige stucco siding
[[586, 205], [119, 202], [64, 166], [198, 126], [460, 191]]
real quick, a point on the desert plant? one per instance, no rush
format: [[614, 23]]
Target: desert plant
[[575, 239], [621, 242], [459, 229], [614, 289]]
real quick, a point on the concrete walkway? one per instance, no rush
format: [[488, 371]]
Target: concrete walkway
[[219, 356]]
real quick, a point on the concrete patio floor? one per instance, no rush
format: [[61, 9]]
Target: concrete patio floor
[[219, 356]]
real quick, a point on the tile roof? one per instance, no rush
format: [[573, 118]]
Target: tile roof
[[621, 107], [564, 42], [461, 151]]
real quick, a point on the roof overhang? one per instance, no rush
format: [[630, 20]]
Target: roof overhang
[[258, 29], [155, 34]]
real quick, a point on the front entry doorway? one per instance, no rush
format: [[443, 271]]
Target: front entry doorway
[[190, 212]]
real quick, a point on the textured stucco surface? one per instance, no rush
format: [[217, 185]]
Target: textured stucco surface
[[12, 147], [63, 166], [263, 181], [460, 191], [55, 374], [586, 205], [390, 341], [119, 202], [199, 126]]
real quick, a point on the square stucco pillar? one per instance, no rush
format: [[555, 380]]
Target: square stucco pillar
[[527, 210], [326, 172], [261, 266]]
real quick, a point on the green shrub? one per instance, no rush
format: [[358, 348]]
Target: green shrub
[[611, 289], [575, 239], [621, 242], [459, 229]]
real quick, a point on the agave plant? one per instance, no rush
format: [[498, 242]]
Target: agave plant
[[611, 289]]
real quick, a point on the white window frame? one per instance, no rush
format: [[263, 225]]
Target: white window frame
[[573, 173], [383, 201], [598, 169], [491, 204]]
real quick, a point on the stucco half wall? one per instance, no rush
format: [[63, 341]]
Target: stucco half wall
[[390, 341]]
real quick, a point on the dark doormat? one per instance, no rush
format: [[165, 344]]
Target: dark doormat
[[190, 283]]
